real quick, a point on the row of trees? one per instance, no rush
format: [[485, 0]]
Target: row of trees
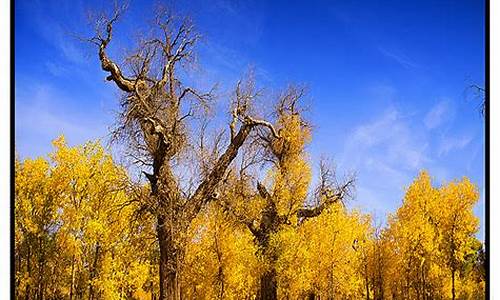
[[80, 234], [227, 214], [75, 234]]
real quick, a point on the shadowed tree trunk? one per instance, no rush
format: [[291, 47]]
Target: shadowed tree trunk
[[72, 277], [453, 284], [268, 286], [93, 271], [28, 269]]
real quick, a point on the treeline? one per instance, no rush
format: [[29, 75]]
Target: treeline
[[81, 233]]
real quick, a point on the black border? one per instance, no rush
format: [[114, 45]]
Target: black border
[[12, 151], [487, 147]]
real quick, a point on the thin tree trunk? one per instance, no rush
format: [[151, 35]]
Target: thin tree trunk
[[453, 284], [93, 273], [72, 277], [173, 292], [367, 286], [28, 269], [41, 269], [18, 270], [220, 280], [424, 284]]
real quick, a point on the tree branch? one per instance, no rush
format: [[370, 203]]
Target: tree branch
[[263, 123], [330, 198], [107, 64]]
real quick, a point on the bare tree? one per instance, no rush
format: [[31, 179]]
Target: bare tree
[[156, 111], [479, 94]]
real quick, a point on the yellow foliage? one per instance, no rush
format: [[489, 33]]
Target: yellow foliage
[[220, 260], [77, 231], [324, 255], [73, 231]]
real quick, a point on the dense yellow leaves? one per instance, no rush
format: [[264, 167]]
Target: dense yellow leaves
[[292, 175], [324, 255], [78, 235], [220, 260], [431, 236], [74, 233]]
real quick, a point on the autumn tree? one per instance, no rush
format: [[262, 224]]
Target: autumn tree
[[457, 225], [157, 113], [220, 259], [432, 238], [325, 257], [281, 199], [382, 263], [75, 236], [35, 220]]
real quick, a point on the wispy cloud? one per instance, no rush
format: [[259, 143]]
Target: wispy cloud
[[61, 36], [56, 69], [382, 91], [391, 134], [43, 113], [387, 152], [439, 114], [448, 144], [400, 58]]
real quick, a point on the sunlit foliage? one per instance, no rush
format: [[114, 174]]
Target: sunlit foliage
[[75, 235], [78, 236]]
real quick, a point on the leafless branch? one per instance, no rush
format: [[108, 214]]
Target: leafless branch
[[329, 191]]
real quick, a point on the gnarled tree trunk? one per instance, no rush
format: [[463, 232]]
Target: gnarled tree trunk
[[169, 285]]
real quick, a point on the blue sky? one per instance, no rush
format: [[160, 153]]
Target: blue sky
[[387, 79]]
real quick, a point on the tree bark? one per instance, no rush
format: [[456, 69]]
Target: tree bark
[[161, 232], [453, 284], [72, 278], [270, 222], [41, 269], [169, 287], [28, 269], [268, 286], [93, 272], [268, 289]]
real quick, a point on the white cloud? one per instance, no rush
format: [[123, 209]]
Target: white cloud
[[448, 144], [439, 114], [400, 58], [43, 113], [391, 136], [387, 153]]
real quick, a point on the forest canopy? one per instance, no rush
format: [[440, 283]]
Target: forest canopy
[[78, 235]]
